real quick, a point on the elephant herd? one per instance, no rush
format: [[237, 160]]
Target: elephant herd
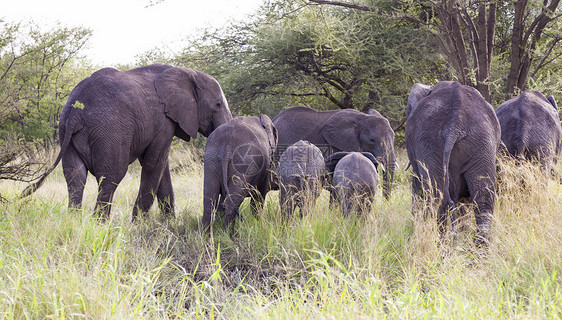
[[452, 135]]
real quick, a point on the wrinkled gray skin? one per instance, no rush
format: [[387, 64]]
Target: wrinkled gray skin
[[114, 117], [237, 165], [355, 180], [341, 130], [301, 174], [452, 136], [530, 128]]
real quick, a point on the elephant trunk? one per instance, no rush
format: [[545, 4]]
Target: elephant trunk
[[388, 175]]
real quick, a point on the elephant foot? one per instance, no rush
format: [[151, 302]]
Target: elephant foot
[[481, 241], [138, 213], [167, 209], [100, 218], [102, 212]]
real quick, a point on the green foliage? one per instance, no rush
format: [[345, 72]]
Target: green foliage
[[39, 70], [322, 57]]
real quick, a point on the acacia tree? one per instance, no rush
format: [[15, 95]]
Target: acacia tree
[[465, 31], [322, 57], [36, 77]]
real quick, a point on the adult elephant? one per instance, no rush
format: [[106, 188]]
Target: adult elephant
[[114, 117], [530, 126], [340, 130], [452, 136]]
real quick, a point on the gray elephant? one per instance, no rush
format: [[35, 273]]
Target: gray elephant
[[114, 117], [238, 159], [340, 130], [452, 136], [301, 174], [530, 128], [355, 179]]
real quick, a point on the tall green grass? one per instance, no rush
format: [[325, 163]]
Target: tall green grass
[[56, 263]]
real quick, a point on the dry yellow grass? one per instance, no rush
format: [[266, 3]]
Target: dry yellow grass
[[386, 264]]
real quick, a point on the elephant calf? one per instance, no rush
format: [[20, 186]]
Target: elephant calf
[[530, 128], [355, 179], [341, 130], [301, 173], [237, 162]]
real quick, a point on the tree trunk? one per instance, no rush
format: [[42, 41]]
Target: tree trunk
[[456, 18], [524, 43], [483, 36], [516, 49]]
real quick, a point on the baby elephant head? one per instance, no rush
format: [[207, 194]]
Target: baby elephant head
[[332, 160]]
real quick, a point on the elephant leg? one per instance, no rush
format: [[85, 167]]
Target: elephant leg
[[154, 164], [108, 174], [165, 194], [346, 203], [302, 202], [257, 199], [442, 212], [147, 191], [288, 197], [232, 206], [418, 191], [284, 201], [106, 190], [368, 199], [75, 174], [431, 190], [333, 196], [482, 192], [211, 193]]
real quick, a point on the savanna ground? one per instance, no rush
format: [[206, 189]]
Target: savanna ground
[[385, 264]]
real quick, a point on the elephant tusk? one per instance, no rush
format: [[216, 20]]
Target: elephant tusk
[[408, 166]]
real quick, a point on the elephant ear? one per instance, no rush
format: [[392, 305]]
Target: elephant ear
[[178, 92], [418, 92], [552, 102], [272, 135], [332, 160], [372, 158], [341, 130]]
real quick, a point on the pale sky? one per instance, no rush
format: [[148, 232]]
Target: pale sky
[[125, 28]]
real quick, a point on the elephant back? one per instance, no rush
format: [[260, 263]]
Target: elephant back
[[301, 159], [356, 171], [300, 123], [530, 123]]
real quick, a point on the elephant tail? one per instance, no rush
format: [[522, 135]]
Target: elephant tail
[[69, 124], [225, 165], [447, 201], [449, 144]]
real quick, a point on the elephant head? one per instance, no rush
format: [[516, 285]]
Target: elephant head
[[418, 92], [192, 99], [332, 160], [351, 130]]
